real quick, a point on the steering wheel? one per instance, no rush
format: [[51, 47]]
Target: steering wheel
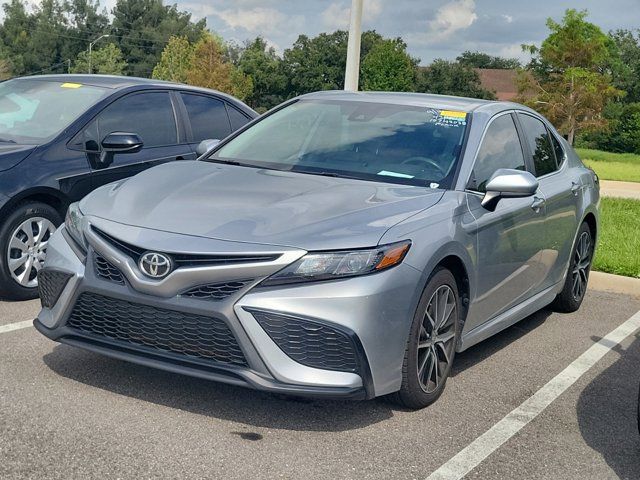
[[417, 160]]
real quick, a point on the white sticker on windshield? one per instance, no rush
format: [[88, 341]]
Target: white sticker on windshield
[[434, 185], [394, 174]]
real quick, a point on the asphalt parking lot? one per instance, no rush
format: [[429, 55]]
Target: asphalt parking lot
[[66, 413]]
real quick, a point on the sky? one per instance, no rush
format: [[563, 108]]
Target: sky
[[431, 28]]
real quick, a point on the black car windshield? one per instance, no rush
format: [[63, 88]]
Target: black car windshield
[[384, 142], [35, 111]]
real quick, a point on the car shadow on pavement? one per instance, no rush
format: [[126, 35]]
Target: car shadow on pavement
[[485, 349], [607, 412], [218, 400]]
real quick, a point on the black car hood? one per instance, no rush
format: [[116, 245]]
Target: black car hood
[[12, 154]]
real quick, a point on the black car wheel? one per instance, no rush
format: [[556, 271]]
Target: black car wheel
[[24, 236], [432, 342], [575, 285]]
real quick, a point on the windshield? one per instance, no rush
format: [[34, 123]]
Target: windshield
[[35, 111], [370, 141]]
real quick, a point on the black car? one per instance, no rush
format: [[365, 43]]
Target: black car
[[61, 136]]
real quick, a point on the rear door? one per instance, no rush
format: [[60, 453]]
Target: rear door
[[509, 239], [150, 114], [561, 191]]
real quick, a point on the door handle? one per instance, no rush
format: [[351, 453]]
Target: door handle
[[537, 204], [575, 188]]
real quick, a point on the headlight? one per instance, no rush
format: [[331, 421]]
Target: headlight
[[73, 224], [340, 264]]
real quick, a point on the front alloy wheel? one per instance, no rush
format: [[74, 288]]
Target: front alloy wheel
[[431, 346]]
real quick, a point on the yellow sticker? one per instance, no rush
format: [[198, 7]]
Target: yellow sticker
[[71, 85], [453, 114]]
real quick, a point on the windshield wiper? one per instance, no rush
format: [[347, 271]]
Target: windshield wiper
[[7, 140], [219, 160]]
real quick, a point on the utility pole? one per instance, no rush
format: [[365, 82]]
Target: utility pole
[[352, 71], [91, 47]]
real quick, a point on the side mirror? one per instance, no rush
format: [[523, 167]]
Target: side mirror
[[508, 183], [118, 142], [205, 145]]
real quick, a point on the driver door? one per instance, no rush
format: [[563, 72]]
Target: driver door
[[510, 239]]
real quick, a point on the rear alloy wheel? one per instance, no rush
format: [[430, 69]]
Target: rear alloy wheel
[[23, 240], [432, 342], [575, 285]]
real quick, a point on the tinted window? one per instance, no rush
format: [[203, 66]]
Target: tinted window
[[366, 140], [208, 117], [500, 149], [237, 119], [539, 143], [558, 149], [150, 115]]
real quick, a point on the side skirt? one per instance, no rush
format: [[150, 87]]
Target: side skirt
[[508, 318]]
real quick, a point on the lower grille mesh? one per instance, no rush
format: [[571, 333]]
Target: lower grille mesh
[[164, 330], [51, 283], [105, 270], [216, 291], [310, 343]]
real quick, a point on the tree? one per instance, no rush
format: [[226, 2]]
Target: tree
[[210, 70], [318, 63], [627, 76], [106, 60], [451, 78], [388, 67], [144, 27], [571, 74], [260, 62], [484, 60], [176, 60]]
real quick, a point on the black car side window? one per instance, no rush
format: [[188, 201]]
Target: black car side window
[[208, 117], [237, 119], [537, 136], [500, 149], [149, 114]]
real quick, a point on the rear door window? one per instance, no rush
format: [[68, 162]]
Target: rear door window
[[237, 119], [208, 117], [539, 141]]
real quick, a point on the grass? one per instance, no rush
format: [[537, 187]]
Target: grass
[[619, 238], [612, 166]]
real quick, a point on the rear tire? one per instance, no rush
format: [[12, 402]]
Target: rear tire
[[23, 242], [431, 346], [575, 285]]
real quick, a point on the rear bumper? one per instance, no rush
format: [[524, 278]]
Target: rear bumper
[[373, 312]]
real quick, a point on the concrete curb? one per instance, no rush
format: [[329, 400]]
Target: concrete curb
[[606, 282]]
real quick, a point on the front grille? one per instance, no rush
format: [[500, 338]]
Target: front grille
[[310, 343], [186, 259], [51, 283], [163, 330], [216, 291], [105, 270]]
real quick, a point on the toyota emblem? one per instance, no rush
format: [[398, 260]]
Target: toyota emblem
[[155, 265]]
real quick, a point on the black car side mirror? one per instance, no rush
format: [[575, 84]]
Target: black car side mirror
[[118, 142], [508, 183]]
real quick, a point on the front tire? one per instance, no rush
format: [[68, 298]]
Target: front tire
[[575, 285], [23, 244], [432, 342]]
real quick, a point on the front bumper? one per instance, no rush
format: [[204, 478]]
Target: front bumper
[[372, 312]]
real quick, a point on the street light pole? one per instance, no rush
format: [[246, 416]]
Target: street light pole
[[352, 71], [91, 47]]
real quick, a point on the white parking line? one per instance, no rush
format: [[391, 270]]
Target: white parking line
[[483, 446], [16, 326]]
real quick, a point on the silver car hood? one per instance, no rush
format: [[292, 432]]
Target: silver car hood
[[252, 205]]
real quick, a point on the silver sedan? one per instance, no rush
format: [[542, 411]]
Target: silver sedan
[[342, 245]]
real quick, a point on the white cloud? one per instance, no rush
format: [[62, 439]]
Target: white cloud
[[258, 19], [337, 14], [507, 18], [452, 17]]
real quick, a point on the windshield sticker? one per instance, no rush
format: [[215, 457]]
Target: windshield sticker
[[448, 118], [394, 174], [434, 185], [71, 85]]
